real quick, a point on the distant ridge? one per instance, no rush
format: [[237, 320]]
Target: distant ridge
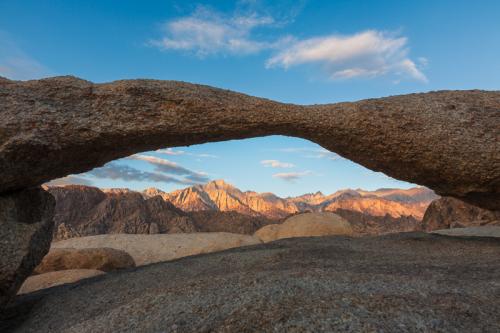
[[222, 196]]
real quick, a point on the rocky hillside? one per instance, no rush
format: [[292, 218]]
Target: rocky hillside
[[221, 207], [85, 211], [219, 195]]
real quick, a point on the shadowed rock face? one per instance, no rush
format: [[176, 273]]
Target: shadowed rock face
[[448, 141], [445, 213], [26, 221]]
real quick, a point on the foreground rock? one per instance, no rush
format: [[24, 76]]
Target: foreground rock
[[147, 249], [447, 141], [396, 283], [52, 279], [484, 231], [26, 221], [102, 259], [306, 225], [453, 213]]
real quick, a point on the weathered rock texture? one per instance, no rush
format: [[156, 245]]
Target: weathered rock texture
[[397, 283], [306, 225], [102, 259], [448, 141], [52, 279], [448, 212], [26, 221]]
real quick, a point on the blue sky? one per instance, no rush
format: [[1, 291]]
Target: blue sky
[[292, 51]]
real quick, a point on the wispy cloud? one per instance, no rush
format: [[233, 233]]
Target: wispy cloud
[[15, 64], [311, 152], [207, 32], [169, 167], [291, 176], [276, 164], [324, 153], [117, 171], [70, 180], [172, 152], [366, 54], [369, 53]]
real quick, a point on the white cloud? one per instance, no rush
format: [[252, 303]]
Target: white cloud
[[116, 171], [69, 180], [323, 153], [291, 176], [366, 54], [276, 164], [166, 166], [15, 64], [311, 152], [172, 152], [207, 32]]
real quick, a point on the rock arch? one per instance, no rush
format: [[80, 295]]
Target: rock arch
[[448, 141]]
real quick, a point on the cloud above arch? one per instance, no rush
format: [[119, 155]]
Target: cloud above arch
[[365, 54]]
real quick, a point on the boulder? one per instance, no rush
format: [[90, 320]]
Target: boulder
[[446, 140], [102, 259], [52, 279], [449, 212], [306, 225], [147, 249], [26, 222]]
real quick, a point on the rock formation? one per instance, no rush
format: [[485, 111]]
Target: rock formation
[[306, 225], [366, 224], [85, 211], [447, 212], [481, 231], [26, 222], [404, 282], [447, 140], [52, 279], [147, 249], [102, 259]]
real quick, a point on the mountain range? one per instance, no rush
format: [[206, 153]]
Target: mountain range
[[221, 196], [218, 206]]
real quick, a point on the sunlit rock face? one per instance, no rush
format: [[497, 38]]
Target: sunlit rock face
[[221, 196], [447, 141]]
